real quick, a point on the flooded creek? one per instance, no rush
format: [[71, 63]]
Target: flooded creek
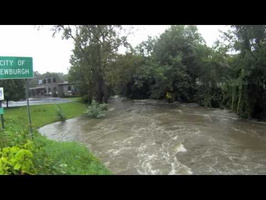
[[154, 137]]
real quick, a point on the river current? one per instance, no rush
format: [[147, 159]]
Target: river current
[[154, 137]]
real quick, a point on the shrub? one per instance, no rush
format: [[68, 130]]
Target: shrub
[[60, 114], [17, 159], [95, 110], [12, 137]]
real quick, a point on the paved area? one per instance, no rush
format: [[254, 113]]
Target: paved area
[[36, 101]]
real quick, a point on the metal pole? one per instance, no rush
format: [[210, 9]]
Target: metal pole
[[28, 105], [2, 117]]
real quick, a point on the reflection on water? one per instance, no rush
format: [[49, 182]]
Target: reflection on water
[[154, 137]]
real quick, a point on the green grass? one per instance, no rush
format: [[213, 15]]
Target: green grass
[[73, 159], [77, 99], [41, 114], [68, 158]]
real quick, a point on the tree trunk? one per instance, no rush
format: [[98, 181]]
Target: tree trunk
[[233, 97], [105, 93], [99, 97], [99, 91], [102, 92], [239, 98], [7, 103], [89, 97]]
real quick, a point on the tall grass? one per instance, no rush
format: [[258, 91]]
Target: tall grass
[[69, 158]]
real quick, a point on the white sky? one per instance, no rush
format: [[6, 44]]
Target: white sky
[[53, 54]]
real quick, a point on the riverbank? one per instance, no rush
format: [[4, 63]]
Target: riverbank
[[68, 158]]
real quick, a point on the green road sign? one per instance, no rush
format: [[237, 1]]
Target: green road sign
[[15, 67], [1, 111]]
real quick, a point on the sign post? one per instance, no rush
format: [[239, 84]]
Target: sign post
[[1, 108], [17, 68], [28, 105]]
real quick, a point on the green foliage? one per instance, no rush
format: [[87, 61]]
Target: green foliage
[[44, 161], [209, 97], [60, 113], [95, 110], [247, 84], [169, 64], [17, 159], [14, 89], [11, 136], [48, 157], [39, 110], [176, 62], [213, 75], [96, 47], [16, 117], [70, 158]]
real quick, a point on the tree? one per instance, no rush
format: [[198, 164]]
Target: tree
[[34, 82], [95, 49], [249, 70], [169, 63], [14, 89], [213, 74], [120, 74], [176, 71]]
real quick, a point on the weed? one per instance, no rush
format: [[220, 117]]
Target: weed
[[60, 114]]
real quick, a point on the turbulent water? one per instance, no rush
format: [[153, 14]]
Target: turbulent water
[[154, 137]]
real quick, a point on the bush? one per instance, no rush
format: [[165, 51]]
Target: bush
[[60, 114], [11, 137], [17, 159], [95, 110]]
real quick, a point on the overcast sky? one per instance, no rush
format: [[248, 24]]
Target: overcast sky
[[53, 54]]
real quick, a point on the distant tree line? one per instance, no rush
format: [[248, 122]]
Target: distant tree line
[[178, 62]]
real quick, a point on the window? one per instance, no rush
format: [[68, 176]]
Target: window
[[54, 80], [44, 81], [49, 80], [69, 88]]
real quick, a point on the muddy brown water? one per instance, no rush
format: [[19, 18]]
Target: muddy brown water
[[154, 137]]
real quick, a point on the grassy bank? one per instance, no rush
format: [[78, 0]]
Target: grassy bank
[[41, 114], [50, 157]]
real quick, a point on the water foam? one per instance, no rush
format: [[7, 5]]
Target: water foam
[[178, 168], [180, 148]]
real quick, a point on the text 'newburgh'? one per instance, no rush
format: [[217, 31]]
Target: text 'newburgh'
[[14, 71]]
